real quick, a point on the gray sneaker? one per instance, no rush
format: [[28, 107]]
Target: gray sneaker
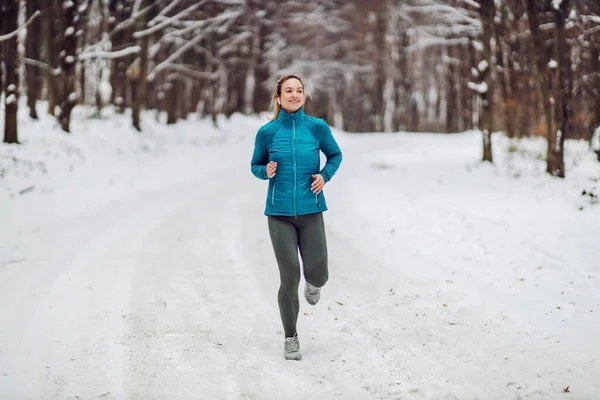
[[312, 294], [291, 348]]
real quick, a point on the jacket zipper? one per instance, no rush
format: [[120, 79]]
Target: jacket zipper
[[294, 160]]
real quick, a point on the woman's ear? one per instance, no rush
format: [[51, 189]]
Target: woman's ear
[[278, 101]]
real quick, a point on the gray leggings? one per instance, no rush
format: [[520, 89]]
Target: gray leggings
[[288, 235]]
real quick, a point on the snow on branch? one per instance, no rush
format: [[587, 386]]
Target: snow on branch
[[593, 30], [25, 25], [480, 88], [591, 18], [164, 11], [110, 54], [168, 61], [445, 11], [230, 2], [136, 6], [229, 17], [36, 63], [149, 31], [317, 67], [556, 4], [472, 3], [192, 73], [428, 42], [483, 66], [231, 43], [130, 21]]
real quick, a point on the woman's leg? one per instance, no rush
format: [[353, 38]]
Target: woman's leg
[[313, 248], [284, 238]]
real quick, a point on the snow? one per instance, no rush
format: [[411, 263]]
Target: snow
[[480, 88], [11, 99], [105, 90], [556, 4], [596, 139], [483, 66], [110, 54], [139, 265], [69, 31], [552, 64]]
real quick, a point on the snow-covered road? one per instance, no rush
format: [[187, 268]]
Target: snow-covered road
[[444, 284]]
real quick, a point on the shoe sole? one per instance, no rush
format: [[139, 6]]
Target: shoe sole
[[296, 356], [311, 302]]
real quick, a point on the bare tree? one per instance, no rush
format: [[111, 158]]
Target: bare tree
[[562, 91], [74, 11], [33, 52], [487, 11], [53, 25], [10, 12], [139, 69]]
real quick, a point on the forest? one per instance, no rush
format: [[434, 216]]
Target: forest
[[517, 67]]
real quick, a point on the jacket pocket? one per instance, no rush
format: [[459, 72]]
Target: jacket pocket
[[273, 195]]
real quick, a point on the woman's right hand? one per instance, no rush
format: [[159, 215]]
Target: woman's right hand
[[271, 168]]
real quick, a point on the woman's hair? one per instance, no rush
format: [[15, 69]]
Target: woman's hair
[[277, 93]]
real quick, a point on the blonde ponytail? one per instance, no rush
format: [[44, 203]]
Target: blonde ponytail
[[275, 105]]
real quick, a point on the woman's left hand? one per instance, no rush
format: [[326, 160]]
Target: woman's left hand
[[317, 184]]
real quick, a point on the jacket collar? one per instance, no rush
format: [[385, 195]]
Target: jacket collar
[[286, 117]]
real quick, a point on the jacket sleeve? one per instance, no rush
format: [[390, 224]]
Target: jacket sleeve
[[332, 151], [260, 157]]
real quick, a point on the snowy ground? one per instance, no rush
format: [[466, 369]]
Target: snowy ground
[[139, 266]]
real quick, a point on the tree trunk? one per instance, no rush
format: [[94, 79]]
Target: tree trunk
[[118, 10], [141, 78], [68, 60], [377, 112], [52, 24], [33, 52], [172, 102], [556, 165], [504, 65], [452, 95], [488, 11], [541, 74], [261, 96], [1, 63], [10, 12], [596, 67]]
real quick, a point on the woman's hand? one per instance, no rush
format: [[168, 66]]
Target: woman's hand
[[317, 184], [271, 168]]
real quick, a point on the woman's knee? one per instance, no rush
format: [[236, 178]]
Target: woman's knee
[[291, 282], [318, 275]]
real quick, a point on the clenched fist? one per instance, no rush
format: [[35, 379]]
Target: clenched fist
[[271, 168]]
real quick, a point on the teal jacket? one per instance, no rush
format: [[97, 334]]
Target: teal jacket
[[294, 142]]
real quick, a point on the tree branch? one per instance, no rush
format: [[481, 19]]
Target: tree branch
[[12, 34], [149, 31], [110, 54]]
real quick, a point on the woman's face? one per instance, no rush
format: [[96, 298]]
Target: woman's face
[[292, 95]]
